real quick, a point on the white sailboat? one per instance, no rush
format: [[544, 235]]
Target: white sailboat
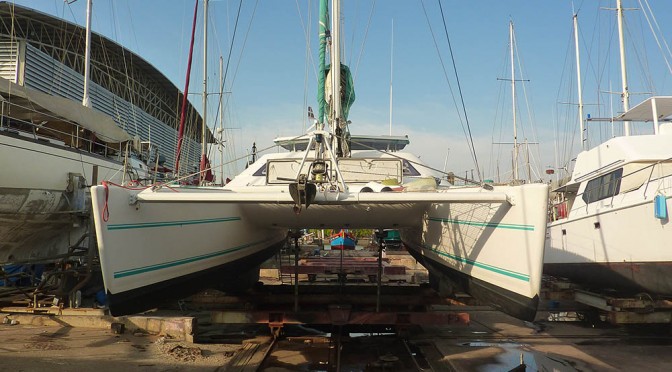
[[489, 238], [51, 149], [610, 228]]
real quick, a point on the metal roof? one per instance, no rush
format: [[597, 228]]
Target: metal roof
[[60, 33], [644, 110]]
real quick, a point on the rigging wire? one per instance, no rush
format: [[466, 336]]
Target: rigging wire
[[459, 87], [648, 11], [306, 80], [361, 50], [306, 37], [530, 117]]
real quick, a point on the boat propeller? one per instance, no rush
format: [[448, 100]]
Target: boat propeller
[[303, 193]]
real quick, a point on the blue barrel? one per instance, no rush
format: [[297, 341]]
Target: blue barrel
[[660, 206]]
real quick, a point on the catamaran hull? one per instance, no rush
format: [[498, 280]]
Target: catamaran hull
[[492, 251], [44, 205], [171, 249], [512, 303], [624, 249]]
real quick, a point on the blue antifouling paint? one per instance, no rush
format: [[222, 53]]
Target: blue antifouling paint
[[660, 206]]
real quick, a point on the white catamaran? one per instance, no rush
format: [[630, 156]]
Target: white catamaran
[[489, 238]]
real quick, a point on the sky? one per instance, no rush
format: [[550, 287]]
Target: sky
[[269, 49]]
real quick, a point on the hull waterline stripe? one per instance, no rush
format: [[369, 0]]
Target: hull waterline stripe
[[145, 269], [125, 226], [495, 269], [484, 224]]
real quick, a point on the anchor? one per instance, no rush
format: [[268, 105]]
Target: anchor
[[302, 192]]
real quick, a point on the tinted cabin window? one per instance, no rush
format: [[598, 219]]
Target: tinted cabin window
[[409, 170], [603, 187], [261, 171]]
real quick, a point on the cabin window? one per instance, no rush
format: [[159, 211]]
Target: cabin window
[[409, 169], [603, 187], [261, 171]]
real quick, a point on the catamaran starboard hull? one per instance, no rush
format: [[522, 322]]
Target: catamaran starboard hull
[[153, 252], [491, 250]]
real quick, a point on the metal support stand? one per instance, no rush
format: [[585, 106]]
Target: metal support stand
[[296, 234], [380, 235]]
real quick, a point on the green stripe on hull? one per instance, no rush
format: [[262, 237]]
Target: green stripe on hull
[[484, 224], [143, 225], [145, 269], [495, 269]]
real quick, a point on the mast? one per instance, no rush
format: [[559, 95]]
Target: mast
[[335, 69], [205, 91], [513, 102], [324, 30], [578, 77], [624, 75], [87, 55]]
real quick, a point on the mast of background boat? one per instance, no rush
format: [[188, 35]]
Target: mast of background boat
[[513, 101], [335, 70], [220, 140], [578, 77], [624, 74], [391, 71], [87, 55], [202, 166], [180, 132]]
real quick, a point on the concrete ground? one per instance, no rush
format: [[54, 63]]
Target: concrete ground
[[491, 342]]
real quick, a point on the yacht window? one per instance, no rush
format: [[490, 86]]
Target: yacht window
[[409, 169], [261, 171], [603, 187], [366, 170]]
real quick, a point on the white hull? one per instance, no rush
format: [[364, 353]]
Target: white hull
[[171, 246], [495, 250], [43, 195], [607, 236], [621, 247]]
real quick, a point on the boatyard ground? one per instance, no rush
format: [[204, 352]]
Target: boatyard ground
[[491, 342], [196, 334]]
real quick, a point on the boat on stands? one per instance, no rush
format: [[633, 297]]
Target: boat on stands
[[343, 240], [609, 228], [489, 238], [53, 147]]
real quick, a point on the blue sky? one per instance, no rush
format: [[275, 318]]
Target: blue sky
[[271, 83]]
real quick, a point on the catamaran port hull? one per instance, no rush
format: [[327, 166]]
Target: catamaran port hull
[[493, 250], [232, 277], [175, 249]]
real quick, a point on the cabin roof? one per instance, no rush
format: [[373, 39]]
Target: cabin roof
[[644, 110]]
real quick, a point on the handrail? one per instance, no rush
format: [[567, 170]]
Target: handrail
[[41, 132], [651, 177]]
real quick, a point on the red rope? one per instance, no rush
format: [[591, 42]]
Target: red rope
[[106, 211]]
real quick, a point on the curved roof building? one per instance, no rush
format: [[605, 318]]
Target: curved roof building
[[44, 53]]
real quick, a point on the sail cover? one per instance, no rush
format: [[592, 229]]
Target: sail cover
[[347, 89], [102, 125]]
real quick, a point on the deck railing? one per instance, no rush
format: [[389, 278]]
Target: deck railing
[[562, 208]]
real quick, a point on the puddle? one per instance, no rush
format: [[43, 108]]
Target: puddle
[[518, 357]]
